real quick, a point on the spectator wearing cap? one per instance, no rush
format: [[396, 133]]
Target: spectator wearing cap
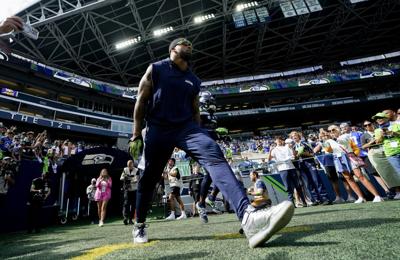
[[372, 162], [388, 134], [92, 204]]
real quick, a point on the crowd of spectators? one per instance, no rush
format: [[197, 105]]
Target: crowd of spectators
[[341, 151], [350, 153], [18, 145]]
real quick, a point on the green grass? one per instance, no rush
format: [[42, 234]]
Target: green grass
[[347, 231]]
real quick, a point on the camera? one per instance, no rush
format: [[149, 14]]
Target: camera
[[386, 132], [8, 166], [38, 196]]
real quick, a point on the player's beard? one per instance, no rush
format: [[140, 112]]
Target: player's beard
[[186, 56]]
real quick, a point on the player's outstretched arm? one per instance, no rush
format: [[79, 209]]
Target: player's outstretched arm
[[144, 93]]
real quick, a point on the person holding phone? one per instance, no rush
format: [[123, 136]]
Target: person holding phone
[[11, 24]]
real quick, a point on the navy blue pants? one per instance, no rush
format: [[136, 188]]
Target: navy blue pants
[[312, 180], [291, 182], [159, 144], [205, 186]]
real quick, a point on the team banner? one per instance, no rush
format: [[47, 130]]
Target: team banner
[[9, 92], [57, 124], [60, 74], [306, 81]]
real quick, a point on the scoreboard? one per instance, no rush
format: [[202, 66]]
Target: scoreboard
[[250, 17]]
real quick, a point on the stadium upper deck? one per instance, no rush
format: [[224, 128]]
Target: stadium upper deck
[[82, 38]]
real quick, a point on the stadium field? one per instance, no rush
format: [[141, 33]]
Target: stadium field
[[346, 231]]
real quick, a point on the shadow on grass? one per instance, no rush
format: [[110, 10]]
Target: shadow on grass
[[289, 239], [38, 249], [323, 211], [184, 256]]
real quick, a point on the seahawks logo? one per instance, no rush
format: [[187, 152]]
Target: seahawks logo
[[92, 159], [3, 56]]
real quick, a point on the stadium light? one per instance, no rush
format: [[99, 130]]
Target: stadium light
[[200, 19], [127, 43], [162, 31], [241, 7]]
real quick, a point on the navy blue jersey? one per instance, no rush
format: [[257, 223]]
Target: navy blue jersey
[[173, 93]]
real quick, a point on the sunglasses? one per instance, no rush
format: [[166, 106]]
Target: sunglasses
[[332, 130], [367, 124]]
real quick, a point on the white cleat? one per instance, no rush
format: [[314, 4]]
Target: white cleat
[[260, 225], [139, 234]]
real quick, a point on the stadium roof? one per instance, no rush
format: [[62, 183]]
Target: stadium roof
[[81, 35]]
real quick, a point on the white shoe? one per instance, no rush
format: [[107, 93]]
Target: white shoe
[[202, 213], [397, 196], [338, 200], [139, 233], [377, 199], [360, 200], [260, 225], [182, 216], [170, 217], [101, 223]]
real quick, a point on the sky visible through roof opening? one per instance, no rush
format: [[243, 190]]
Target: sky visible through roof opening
[[11, 7]]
